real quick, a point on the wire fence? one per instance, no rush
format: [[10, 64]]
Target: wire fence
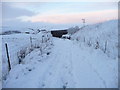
[[21, 46]]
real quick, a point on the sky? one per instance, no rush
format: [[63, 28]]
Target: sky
[[56, 14]]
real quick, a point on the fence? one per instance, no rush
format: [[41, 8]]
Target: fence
[[16, 47]]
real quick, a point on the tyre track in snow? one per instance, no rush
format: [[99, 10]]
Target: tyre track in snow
[[50, 73], [60, 70], [69, 79], [104, 82], [84, 67], [49, 70]]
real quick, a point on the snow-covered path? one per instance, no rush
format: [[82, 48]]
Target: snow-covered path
[[69, 66]]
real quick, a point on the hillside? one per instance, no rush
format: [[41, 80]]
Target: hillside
[[103, 36]]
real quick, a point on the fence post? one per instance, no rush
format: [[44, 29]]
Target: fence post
[[105, 47], [31, 41], [42, 38], [9, 66]]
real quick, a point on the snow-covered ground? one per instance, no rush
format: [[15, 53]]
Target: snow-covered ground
[[70, 63], [20, 45]]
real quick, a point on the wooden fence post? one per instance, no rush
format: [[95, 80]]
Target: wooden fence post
[[9, 66], [105, 47], [31, 41], [42, 38]]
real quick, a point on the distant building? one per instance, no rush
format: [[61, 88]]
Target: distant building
[[58, 33]]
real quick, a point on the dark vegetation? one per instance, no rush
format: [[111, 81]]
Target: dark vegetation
[[10, 32]]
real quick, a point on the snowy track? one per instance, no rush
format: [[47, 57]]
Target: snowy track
[[69, 66]]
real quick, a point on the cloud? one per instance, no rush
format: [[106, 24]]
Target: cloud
[[63, 7], [9, 12], [91, 17], [29, 6]]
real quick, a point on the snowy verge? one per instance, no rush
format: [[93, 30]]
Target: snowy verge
[[21, 45], [103, 36]]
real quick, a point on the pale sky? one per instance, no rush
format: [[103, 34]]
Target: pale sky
[[57, 13]]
